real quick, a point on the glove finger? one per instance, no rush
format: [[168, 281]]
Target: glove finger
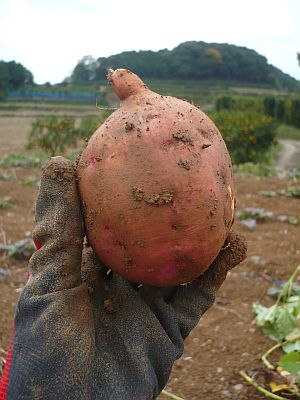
[[59, 230], [233, 253]]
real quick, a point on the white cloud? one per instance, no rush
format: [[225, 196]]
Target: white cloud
[[50, 36]]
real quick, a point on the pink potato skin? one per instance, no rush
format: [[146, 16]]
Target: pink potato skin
[[156, 186]]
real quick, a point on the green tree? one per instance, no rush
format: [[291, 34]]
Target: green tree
[[14, 76], [248, 135], [85, 70], [4, 79], [269, 105], [19, 76], [214, 54], [295, 113], [225, 103], [280, 110], [189, 60]]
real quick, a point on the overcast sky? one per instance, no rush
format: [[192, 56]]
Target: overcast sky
[[49, 36]]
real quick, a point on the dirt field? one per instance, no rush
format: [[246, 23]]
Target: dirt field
[[16, 120], [226, 340]]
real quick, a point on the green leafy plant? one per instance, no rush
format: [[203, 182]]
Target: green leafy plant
[[5, 202], [259, 214], [291, 191], [291, 362], [53, 135], [281, 323], [248, 135], [25, 160], [293, 219]]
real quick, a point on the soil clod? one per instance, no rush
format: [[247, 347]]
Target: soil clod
[[183, 137], [164, 196], [185, 164]]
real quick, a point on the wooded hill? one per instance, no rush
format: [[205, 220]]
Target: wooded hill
[[189, 61]]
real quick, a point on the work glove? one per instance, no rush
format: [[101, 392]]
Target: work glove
[[83, 332]]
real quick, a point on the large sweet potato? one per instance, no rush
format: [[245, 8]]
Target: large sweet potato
[[156, 187]]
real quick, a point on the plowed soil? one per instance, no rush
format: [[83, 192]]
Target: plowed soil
[[226, 340]]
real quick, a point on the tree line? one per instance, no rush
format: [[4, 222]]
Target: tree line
[[188, 61], [13, 76], [281, 109]]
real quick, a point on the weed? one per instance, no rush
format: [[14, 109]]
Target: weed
[[280, 322], [258, 214], [6, 177], [5, 202], [53, 135], [291, 191], [27, 160]]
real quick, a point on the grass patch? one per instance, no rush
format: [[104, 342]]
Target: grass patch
[[253, 169], [264, 170], [288, 132]]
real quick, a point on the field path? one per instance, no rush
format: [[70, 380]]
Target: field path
[[289, 156]]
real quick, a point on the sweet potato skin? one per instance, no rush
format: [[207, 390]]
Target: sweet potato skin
[[157, 188]]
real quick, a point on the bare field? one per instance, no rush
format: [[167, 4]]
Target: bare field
[[226, 339], [13, 133], [16, 120]]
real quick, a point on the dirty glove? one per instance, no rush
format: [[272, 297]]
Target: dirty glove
[[84, 333]]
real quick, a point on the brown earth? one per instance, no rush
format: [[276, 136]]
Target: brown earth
[[226, 340]]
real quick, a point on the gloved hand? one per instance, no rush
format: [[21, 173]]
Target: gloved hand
[[82, 332]]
